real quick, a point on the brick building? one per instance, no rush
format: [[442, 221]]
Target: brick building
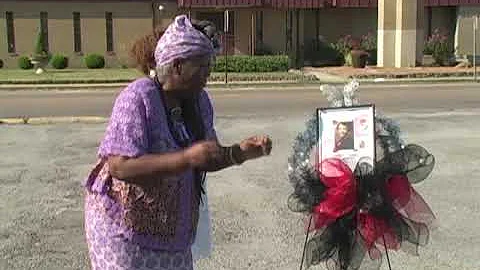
[[75, 27]]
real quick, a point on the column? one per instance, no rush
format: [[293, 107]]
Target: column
[[386, 33], [406, 33], [397, 32], [420, 30]]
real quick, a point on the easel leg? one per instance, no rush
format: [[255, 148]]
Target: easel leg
[[306, 241]]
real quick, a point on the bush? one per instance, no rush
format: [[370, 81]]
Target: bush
[[59, 61], [94, 61], [1, 63], [242, 64], [25, 63], [439, 47]]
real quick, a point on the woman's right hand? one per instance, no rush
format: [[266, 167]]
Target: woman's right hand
[[201, 154]]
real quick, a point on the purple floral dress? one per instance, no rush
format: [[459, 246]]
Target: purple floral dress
[[141, 227]]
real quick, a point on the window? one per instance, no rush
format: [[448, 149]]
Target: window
[[44, 29], [77, 32], [109, 25], [10, 32], [259, 32]]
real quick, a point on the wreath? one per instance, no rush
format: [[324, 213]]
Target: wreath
[[365, 211]]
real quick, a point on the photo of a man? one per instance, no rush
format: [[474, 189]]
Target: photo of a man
[[347, 134], [344, 137]]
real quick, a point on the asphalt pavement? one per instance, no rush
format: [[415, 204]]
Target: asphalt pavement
[[253, 101], [41, 219]]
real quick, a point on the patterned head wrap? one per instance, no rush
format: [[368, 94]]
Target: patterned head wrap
[[182, 40]]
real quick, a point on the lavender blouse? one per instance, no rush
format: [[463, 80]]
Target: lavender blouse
[[162, 215]]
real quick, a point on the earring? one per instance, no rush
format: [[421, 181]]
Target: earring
[[153, 73]]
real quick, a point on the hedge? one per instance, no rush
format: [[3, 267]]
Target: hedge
[[59, 61], [241, 63], [24, 62], [94, 61]]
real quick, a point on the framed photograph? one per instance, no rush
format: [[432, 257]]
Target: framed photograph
[[347, 133]]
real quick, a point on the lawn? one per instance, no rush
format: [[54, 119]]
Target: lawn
[[17, 76]]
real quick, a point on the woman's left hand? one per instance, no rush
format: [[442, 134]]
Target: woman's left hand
[[256, 146]]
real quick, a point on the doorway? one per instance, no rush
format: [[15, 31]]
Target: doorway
[[218, 19]]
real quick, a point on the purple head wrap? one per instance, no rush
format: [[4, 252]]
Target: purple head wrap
[[182, 40]]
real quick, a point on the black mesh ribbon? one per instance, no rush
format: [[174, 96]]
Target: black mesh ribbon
[[388, 213]]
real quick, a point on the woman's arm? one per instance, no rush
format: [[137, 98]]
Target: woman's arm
[[229, 156], [140, 170]]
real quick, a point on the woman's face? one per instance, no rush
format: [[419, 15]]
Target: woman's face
[[194, 74]]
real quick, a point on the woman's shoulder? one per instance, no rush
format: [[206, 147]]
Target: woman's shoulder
[[139, 89], [141, 86]]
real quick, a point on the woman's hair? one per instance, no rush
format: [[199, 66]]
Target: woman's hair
[[143, 50]]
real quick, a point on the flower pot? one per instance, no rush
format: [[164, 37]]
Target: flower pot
[[428, 60], [372, 57], [359, 58]]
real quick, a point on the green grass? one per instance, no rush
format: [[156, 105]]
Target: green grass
[[72, 76]]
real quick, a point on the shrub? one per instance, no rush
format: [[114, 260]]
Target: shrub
[[25, 63], [438, 46], [368, 43], [1, 63], [241, 63], [59, 61], [94, 61]]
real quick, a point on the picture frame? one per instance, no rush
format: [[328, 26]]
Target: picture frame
[[347, 133]]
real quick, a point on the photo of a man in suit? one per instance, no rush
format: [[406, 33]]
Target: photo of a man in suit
[[344, 138]]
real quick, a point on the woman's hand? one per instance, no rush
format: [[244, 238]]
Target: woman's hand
[[255, 147]]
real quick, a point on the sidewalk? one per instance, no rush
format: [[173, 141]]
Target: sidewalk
[[375, 74], [118, 86], [325, 75]]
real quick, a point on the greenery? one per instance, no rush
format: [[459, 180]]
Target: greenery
[[40, 54], [24, 62], [320, 53], [74, 76], [241, 63], [94, 61], [343, 46], [367, 43], [59, 61], [438, 46]]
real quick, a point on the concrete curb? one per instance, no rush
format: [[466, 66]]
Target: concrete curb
[[53, 120], [118, 86]]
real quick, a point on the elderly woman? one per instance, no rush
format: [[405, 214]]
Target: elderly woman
[[143, 196]]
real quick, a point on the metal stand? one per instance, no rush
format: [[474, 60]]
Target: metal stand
[[474, 58], [306, 242], [225, 30]]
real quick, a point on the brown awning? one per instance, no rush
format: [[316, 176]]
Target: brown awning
[[436, 3], [219, 3], [252, 3], [306, 4]]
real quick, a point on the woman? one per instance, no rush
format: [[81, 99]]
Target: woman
[[142, 52], [143, 196]]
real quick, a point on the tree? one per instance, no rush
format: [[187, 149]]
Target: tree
[[40, 55]]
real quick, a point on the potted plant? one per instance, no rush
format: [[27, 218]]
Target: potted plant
[[343, 46], [40, 55], [369, 44], [359, 56], [438, 48]]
